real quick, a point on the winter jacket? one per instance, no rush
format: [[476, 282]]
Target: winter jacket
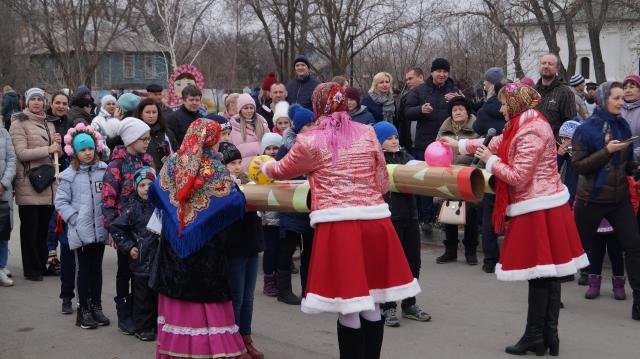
[[179, 121], [374, 108], [401, 205], [250, 146], [568, 175], [76, 115], [362, 115], [60, 125], [631, 113], [108, 127], [7, 166], [244, 237], [428, 124], [402, 124], [31, 140], [489, 116], [558, 103], [265, 110], [300, 90], [466, 132], [292, 221], [581, 105], [130, 230], [162, 144], [79, 202], [118, 181], [10, 104]]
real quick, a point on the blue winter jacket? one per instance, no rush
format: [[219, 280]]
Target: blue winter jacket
[[79, 201], [489, 116], [300, 90], [373, 107], [362, 115]]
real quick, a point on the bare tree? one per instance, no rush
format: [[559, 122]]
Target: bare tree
[[596, 12]]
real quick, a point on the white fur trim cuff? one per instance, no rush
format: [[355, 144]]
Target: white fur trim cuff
[[540, 271], [314, 303], [538, 203], [490, 162], [462, 146], [350, 214]]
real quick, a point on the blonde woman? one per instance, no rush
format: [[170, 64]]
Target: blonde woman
[[247, 129], [380, 101], [230, 106]]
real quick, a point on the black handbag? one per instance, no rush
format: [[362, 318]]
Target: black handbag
[[41, 177]]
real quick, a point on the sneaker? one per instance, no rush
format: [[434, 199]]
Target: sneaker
[[67, 307], [85, 320], [98, 315], [146, 335], [391, 317], [5, 281], [415, 313], [7, 272]]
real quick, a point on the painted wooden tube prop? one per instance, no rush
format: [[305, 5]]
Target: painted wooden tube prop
[[489, 182], [454, 182], [279, 196]]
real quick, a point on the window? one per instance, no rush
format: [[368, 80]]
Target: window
[[149, 66], [584, 67], [129, 66]]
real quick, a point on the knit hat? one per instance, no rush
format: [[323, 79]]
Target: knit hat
[[634, 78], [494, 75], [300, 116], [229, 152], [131, 129], [457, 101], [440, 64], [128, 102], [527, 81], [244, 100], [301, 58], [281, 110], [144, 172], [80, 137], [83, 90], [576, 80], [268, 81], [353, 94], [154, 88], [224, 124], [33, 92], [568, 129], [105, 99], [270, 139], [384, 130]]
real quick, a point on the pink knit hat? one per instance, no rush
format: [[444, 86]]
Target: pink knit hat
[[634, 78], [244, 100]]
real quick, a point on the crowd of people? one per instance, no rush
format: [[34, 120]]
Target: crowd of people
[[160, 181]]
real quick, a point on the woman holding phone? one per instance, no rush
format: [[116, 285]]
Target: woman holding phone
[[603, 157]]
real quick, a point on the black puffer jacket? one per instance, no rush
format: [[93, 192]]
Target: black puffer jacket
[[179, 121], [244, 237], [428, 123], [130, 230], [401, 205], [300, 90]]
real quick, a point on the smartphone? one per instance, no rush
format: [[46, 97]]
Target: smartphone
[[630, 139]]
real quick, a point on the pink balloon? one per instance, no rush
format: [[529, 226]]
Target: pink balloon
[[438, 154]]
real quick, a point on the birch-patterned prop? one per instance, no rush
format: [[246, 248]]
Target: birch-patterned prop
[[279, 196]]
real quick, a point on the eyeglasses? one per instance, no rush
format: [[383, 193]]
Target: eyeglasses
[[145, 139]]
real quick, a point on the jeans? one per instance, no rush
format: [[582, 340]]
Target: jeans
[[67, 272], [489, 237], [426, 209], [271, 242], [34, 224], [4, 253], [242, 278], [89, 258]]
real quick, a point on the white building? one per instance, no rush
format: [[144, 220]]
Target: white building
[[619, 41]]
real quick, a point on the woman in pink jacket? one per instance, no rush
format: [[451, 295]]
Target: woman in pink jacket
[[357, 261], [541, 242], [247, 129]]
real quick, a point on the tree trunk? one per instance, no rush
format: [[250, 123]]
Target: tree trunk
[[594, 27]]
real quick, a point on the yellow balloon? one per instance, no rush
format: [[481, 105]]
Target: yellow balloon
[[255, 169]]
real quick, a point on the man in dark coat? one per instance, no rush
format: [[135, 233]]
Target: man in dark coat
[[10, 105], [558, 101], [189, 111], [413, 78], [300, 89]]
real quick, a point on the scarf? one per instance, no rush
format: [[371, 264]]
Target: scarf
[[39, 117], [519, 98], [387, 102]]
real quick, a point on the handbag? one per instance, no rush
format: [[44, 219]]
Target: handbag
[[453, 212], [41, 177]]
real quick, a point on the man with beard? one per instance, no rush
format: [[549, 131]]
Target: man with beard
[[300, 88], [558, 101]]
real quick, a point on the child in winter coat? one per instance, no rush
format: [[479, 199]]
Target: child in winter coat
[[281, 120], [247, 129], [244, 242], [78, 199], [130, 233], [118, 186], [7, 173], [405, 220]]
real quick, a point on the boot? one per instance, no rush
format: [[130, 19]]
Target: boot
[[584, 277], [553, 312], [635, 310], [618, 287], [471, 256], [251, 350], [123, 308], [285, 294], [98, 315], [373, 333], [350, 342], [450, 255], [533, 339], [84, 319], [269, 288], [594, 286]]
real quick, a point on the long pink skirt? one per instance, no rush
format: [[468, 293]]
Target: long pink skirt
[[197, 330]]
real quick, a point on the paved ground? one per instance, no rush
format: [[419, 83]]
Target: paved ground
[[475, 316]]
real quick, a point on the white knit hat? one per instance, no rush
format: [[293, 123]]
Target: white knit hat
[[270, 139], [105, 99], [281, 110], [33, 92], [131, 129]]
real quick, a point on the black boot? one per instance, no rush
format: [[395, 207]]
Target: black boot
[[373, 333], [471, 256], [84, 319], [450, 255], [553, 312], [123, 308], [533, 339], [350, 342], [283, 283], [98, 315]]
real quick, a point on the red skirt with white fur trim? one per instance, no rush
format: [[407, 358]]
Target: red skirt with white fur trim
[[541, 244], [355, 264]]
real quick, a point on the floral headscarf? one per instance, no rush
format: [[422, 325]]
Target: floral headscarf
[[520, 98], [327, 98]]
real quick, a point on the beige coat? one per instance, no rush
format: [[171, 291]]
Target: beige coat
[[31, 142]]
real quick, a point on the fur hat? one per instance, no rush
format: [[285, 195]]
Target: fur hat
[[281, 110], [229, 152], [440, 64], [244, 100], [457, 101], [128, 102], [353, 94], [300, 116], [384, 130], [144, 172], [270, 139], [131, 129], [268, 81], [80, 137]]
